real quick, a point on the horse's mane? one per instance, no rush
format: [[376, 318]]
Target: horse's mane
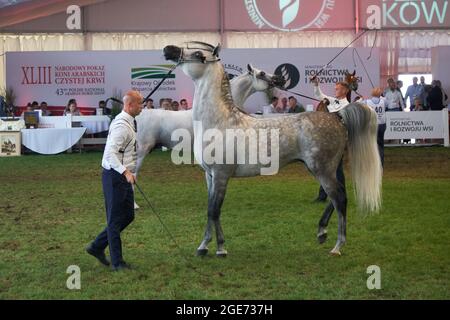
[[225, 93]]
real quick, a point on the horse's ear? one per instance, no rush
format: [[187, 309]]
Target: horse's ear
[[249, 68], [217, 50], [354, 72]]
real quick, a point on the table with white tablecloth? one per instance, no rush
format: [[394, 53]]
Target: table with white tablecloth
[[51, 140], [93, 124]]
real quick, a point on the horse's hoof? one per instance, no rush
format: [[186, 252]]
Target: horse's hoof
[[322, 238], [202, 252], [335, 253], [221, 253]]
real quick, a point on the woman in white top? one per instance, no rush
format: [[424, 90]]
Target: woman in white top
[[378, 104]]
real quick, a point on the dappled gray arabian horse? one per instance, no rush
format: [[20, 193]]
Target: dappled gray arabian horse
[[317, 139], [157, 125]]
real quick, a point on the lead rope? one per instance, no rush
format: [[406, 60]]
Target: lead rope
[[166, 229]]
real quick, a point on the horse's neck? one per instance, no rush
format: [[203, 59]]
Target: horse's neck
[[242, 88], [213, 104]]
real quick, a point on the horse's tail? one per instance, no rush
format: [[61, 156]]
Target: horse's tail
[[361, 123]]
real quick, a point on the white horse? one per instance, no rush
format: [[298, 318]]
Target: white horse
[[318, 139], [156, 125]]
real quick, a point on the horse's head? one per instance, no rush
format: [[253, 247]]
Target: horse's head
[[263, 80], [352, 80], [194, 57]]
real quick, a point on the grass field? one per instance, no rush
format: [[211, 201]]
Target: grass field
[[52, 207]]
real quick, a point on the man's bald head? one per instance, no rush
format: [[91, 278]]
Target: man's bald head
[[132, 103]]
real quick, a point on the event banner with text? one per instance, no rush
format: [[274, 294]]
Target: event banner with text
[[91, 76]]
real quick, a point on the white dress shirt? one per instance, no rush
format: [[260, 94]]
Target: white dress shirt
[[120, 150], [268, 109], [394, 99], [335, 104]]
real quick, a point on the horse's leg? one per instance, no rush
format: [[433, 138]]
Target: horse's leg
[[217, 185], [336, 192], [202, 250], [323, 223]]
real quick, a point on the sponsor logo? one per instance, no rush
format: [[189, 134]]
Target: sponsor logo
[[233, 70], [289, 15], [400, 13], [290, 74], [152, 72]]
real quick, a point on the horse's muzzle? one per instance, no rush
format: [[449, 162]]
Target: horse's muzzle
[[278, 81], [172, 53]]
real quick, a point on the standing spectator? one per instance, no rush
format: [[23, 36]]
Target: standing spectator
[[378, 104], [271, 108], [44, 108], [2, 107], [435, 97], [414, 91], [149, 104], [295, 107], [393, 97], [444, 95], [184, 105]]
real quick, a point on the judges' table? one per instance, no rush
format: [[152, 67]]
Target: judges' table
[[51, 141], [93, 124]]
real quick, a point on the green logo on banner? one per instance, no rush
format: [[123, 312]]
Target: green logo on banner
[[152, 72]]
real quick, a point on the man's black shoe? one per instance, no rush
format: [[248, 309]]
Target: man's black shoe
[[100, 256], [121, 266]]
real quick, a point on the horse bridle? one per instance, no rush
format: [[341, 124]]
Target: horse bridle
[[202, 59]]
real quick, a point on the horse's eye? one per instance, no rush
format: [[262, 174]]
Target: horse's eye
[[262, 74], [198, 54]]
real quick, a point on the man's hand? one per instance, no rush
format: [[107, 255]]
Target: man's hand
[[314, 80], [129, 176]]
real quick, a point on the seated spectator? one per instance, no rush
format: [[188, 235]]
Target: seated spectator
[[149, 104], [166, 105], [72, 108], [271, 108], [35, 105], [183, 105], [284, 105], [102, 105], [418, 105], [295, 107], [44, 109], [175, 105]]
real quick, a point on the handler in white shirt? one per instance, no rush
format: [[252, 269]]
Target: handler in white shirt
[[119, 163], [341, 91]]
